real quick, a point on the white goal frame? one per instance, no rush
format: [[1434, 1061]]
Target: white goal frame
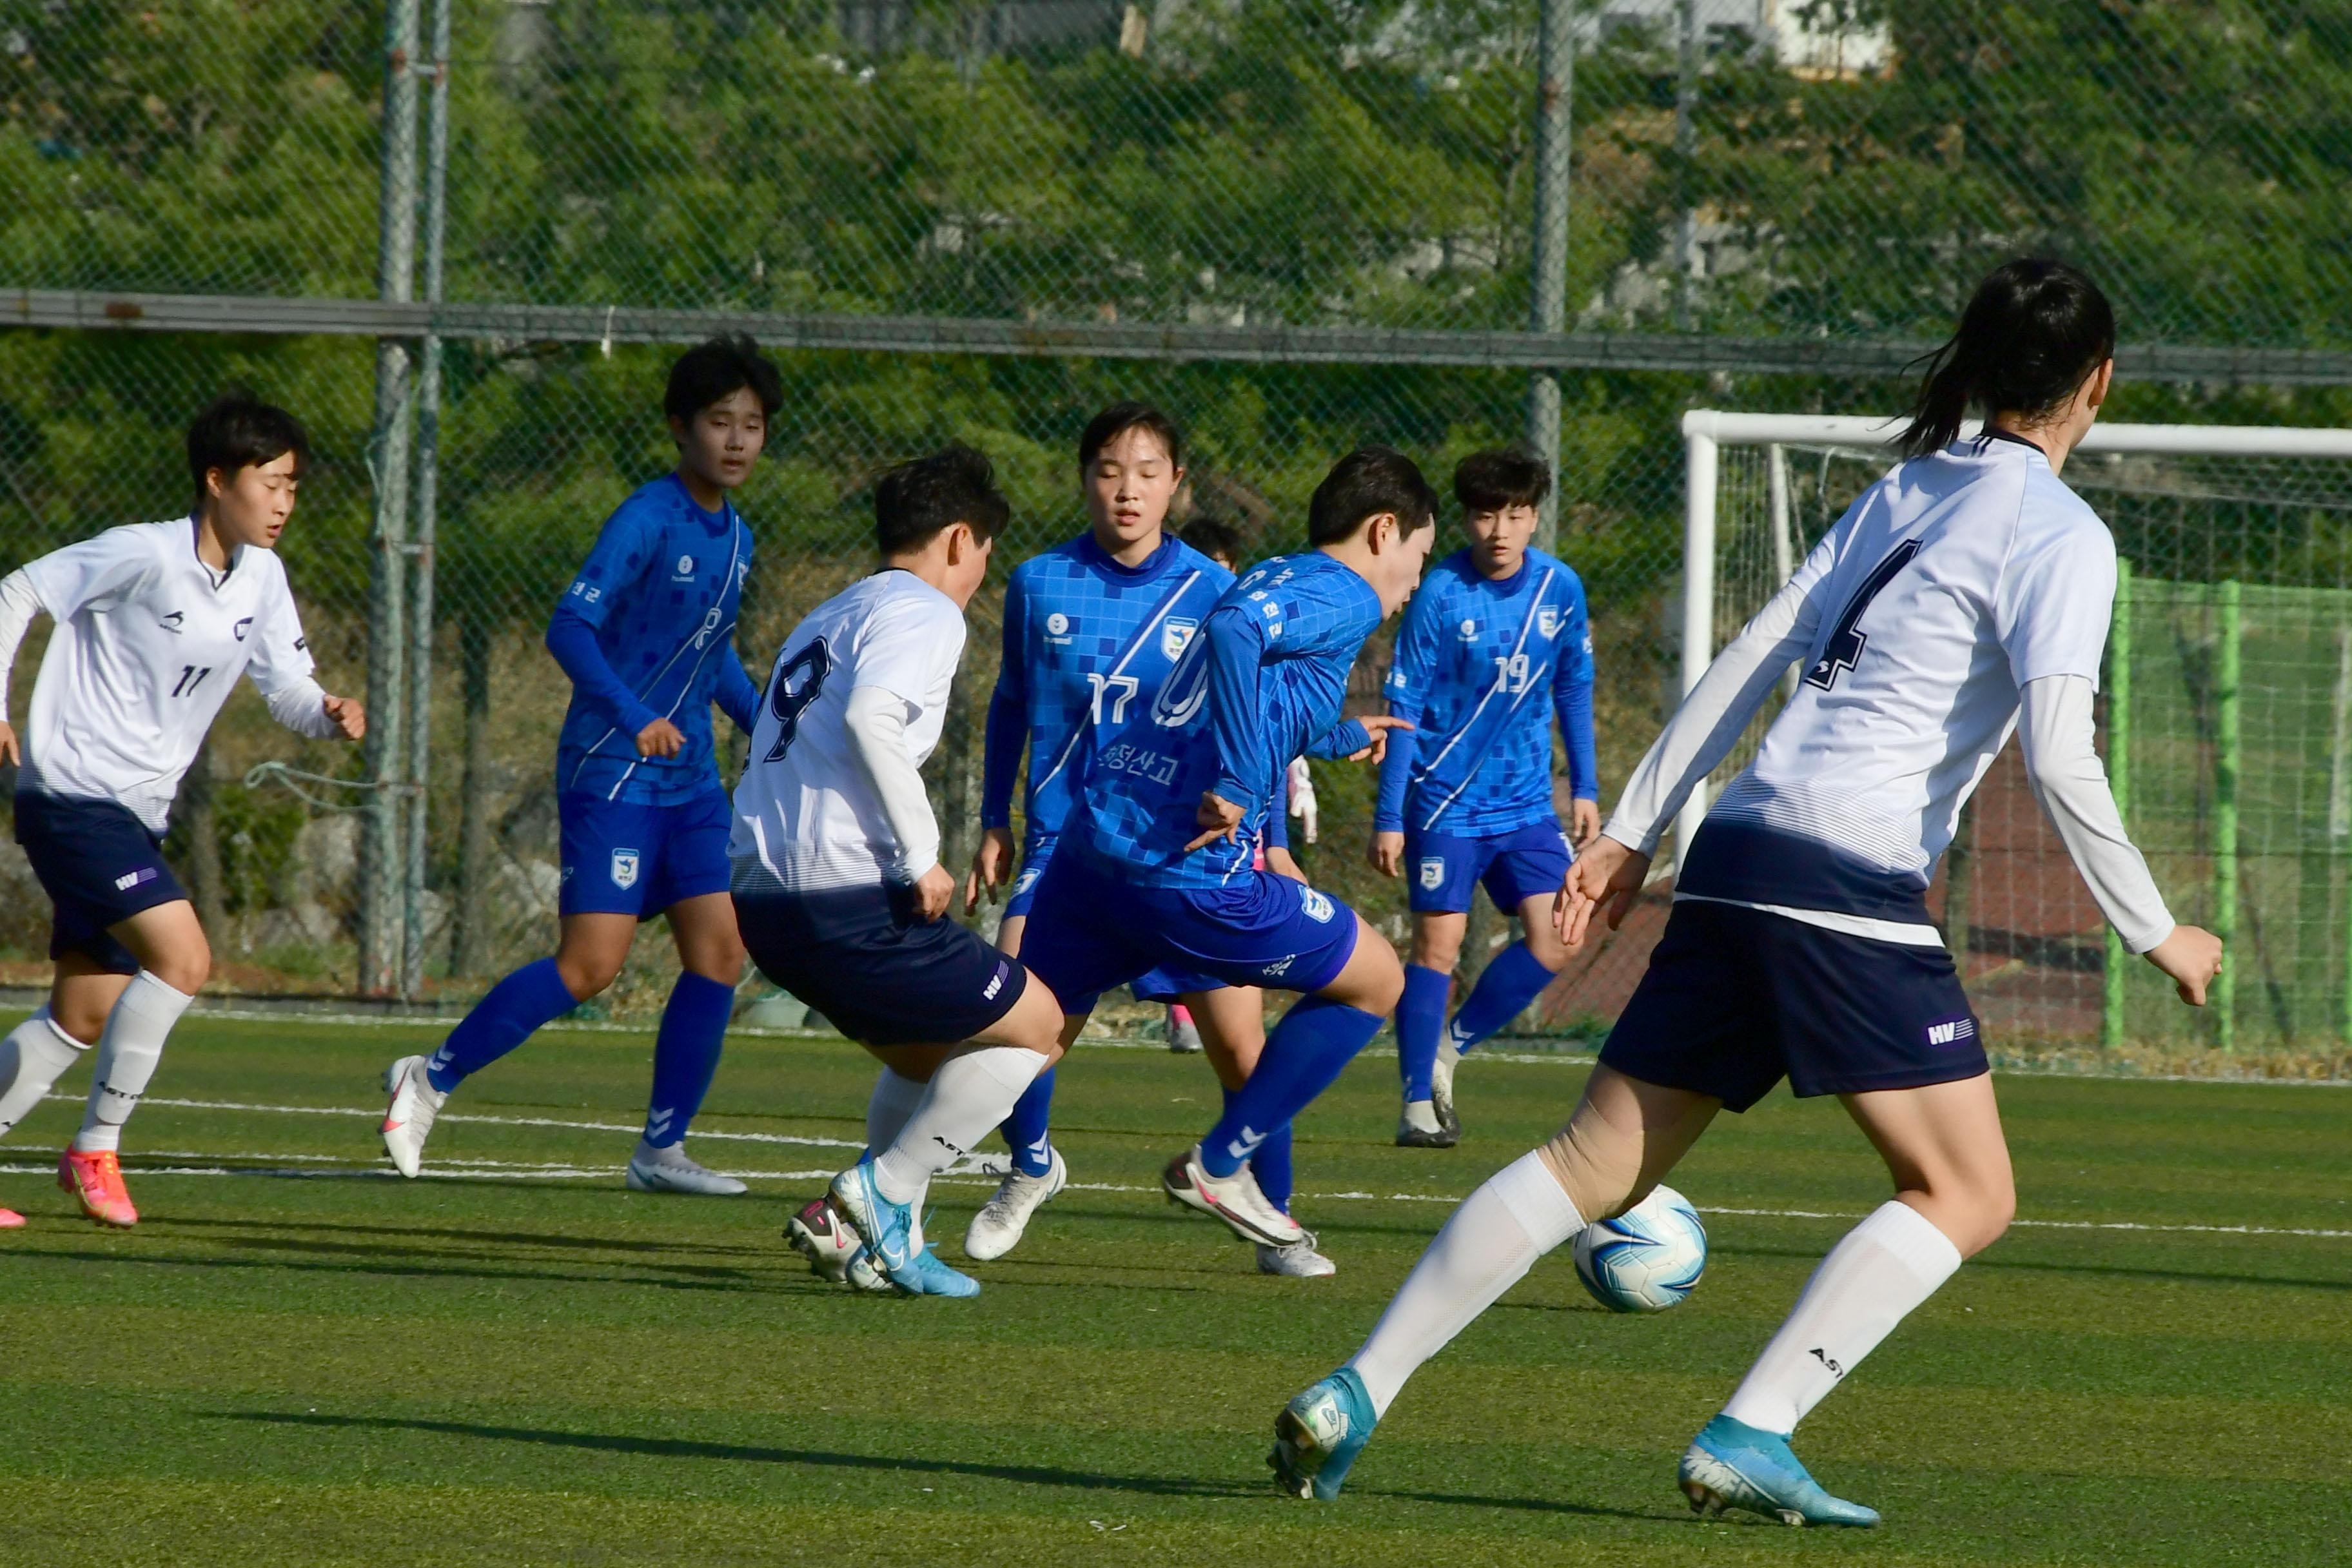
[[1707, 431]]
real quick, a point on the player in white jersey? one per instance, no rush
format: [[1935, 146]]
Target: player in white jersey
[[838, 888], [1968, 585], [154, 622]]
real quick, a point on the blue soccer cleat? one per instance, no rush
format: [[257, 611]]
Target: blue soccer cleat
[[1733, 1465], [887, 1229], [1318, 1435], [938, 1280]]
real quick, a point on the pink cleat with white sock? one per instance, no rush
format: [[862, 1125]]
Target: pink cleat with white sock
[[96, 1178]]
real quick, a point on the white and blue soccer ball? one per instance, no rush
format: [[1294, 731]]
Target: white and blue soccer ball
[[1647, 1258]]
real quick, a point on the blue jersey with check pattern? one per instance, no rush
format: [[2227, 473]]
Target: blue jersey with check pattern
[[659, 593], [1263, 683], [1482, 668], [1087, 643]]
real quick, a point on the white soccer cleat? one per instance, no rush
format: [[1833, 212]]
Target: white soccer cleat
[[833, 1249], [1441, 1085], [996, 1229], [1183, 1034], [1419, 1128], [408, 1120], [671, 1170], [1235, 1199], [1299, 1260]]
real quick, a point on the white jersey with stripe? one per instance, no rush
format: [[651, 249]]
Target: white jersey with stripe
[[148, 642], [809, 815], [1950, 583]]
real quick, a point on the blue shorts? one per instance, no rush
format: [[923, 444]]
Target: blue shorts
[[1089, 932], [1736, 999], [1158, 985], [99, 865], [623, 859], [879, 973], [1513, 866]]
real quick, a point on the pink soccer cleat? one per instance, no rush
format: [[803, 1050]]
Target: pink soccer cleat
[[97, 1179], [11, 1220]]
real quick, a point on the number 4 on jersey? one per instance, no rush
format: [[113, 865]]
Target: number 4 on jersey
[[1846, 638]]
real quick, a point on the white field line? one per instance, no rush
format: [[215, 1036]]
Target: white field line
[[376, 1114], [975, 1171]]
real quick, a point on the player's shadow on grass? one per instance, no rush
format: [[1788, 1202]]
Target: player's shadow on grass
[[485, 1237], [713, 1278], [1994, 1261], [694, 1448]]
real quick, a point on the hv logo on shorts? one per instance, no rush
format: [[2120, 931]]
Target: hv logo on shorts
[[131, 879], [1433, 873], [1952, 1031], [624, 868]]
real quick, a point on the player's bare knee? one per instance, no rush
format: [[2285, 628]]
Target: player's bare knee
[[185, 968], [1437, 946], [1596, 1182], [587, 974]]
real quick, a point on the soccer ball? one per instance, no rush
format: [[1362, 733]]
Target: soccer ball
[[1647, 1258]]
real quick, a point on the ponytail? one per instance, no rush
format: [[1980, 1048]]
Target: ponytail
[[2032, 332]]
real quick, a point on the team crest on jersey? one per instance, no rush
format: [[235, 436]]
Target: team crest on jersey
[[242, 627], [1469, 631], [1027, 880], [624, 868], [1548, 620], [1318, 907], [1175, 636], [1433, 873]]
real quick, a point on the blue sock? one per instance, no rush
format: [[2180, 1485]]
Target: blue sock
[[685, 1054], [1271, 1163], [1025, 1131], [1510, 984], [1420, 1019], [531, 996], [1305, 1055]]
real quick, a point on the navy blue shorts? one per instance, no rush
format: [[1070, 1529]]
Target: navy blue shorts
[[1160, 984], [1088, 931], [1735, 999], [624, 858], [877, 973], [1513, 866], [99, 865]]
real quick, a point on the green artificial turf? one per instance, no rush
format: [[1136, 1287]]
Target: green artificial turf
[[350, 1368]]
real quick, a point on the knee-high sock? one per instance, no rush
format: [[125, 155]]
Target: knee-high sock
[[1514, 979], [127, 1054], [968, 1098], [1310, 1047], [1027, 1130], [1271, 1167], [1871, 1280], [531, 996], [33, 1057], [1488, 1247], [894, 1100], [1420, 1019], [685, 1054]]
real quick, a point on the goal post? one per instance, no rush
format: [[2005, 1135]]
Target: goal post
[[2229, 692]]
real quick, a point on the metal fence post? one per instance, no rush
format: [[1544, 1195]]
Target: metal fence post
[[1555, 90], [1686, 71], [428, 497], [379, 860], [2227, 755]]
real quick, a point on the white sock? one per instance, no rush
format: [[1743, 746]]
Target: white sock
[[1493, 1238], [32, 1058], [966, 1100], [127, 1054], [1871, 1281], [895, 1099]]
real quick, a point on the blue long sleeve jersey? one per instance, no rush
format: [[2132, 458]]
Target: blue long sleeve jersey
[[1481, 669], [1087, 643], [1263, 683], [646, 631]]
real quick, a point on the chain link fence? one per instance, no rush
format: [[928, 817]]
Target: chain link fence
[[1298, 226]]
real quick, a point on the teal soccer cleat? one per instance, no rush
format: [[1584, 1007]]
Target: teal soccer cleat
[[887, 1229], [938, 1280], [1733, 1465], [1318, 1435]]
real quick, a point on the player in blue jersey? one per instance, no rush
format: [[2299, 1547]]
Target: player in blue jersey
[[647, 632], [1494, 646], [1169, 817], [1091, 630]]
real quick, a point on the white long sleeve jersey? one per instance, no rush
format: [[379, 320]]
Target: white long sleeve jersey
[[149, 640], [1956, 583]]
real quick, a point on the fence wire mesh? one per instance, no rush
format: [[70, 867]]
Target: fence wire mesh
[[1812, 169]]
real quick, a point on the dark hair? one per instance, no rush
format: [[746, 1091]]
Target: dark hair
[[1500, 476], [1366, 482], [237, 430], [2033, 331], [1117, 420], [709, 372], [1213, 536], [916, 501]]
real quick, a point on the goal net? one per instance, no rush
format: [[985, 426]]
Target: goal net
[[2225, 716]]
